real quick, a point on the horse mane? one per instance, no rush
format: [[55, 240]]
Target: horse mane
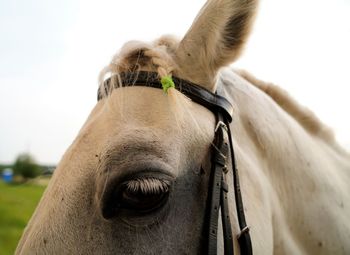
[[304, 116]]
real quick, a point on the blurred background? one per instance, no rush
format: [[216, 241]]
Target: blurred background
[[52, 51]]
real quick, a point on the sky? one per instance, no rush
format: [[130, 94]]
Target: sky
[[51, 53]]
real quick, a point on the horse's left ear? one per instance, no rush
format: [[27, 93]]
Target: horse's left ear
[[215, 39]]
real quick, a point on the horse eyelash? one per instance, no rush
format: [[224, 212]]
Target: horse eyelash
[[148, 186]]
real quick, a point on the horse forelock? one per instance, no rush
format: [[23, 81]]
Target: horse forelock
[[136, 56]]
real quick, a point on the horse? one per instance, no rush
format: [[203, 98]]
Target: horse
[[136, 180]]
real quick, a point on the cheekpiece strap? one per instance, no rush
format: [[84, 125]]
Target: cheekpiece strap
[[218, 190]]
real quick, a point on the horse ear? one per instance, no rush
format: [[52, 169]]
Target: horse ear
[[215, 39]]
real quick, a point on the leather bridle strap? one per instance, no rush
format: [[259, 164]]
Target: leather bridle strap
[[213, 102], [243, 237], [218, 189]]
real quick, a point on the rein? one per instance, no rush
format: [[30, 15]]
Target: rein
[[217, 195]]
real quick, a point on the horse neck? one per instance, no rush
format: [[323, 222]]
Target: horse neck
[[284, 150]]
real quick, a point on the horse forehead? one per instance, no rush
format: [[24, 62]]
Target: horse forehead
[[141, 124], [148, 114], [139, 106], [142, 104]]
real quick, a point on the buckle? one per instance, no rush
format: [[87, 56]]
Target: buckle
[[219, 125], [225, 169], [244, 230]]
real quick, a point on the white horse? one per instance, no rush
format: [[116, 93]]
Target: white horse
[[145, 154]]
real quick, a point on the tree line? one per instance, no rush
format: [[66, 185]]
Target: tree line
[[26, 166]]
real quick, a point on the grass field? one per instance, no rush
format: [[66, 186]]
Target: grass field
[[17, 203]]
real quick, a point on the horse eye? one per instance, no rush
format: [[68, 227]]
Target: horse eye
[[139, 196]]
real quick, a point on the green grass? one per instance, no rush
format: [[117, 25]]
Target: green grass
[[17, 203]]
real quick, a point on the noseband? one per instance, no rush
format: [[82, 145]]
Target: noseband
[[218, 189]]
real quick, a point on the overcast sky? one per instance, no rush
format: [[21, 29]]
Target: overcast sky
[[52, 51]]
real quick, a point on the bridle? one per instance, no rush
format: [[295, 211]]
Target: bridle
[[218, 189]]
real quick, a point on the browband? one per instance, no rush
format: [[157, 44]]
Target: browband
[[200, 95]]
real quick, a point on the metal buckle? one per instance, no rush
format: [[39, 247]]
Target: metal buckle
[[245, 229], [220, 124], [225, 169]]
